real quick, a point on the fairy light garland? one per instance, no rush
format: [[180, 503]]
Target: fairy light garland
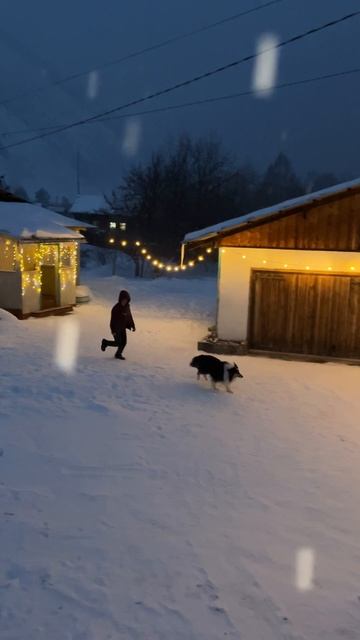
[[68, 264], [206, 253], [158, 264], [64, 255]]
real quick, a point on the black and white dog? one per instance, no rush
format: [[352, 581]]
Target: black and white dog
[[217, 370]]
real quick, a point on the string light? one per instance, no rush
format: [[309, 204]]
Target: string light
[[62, 255], [201, 258], [156, 263]]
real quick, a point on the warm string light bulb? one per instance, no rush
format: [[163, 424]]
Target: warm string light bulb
[[161, 265]]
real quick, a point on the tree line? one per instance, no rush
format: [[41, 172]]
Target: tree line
[[193, 184]]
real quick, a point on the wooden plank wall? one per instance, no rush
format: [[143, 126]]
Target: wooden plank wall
[[334, 226], [305, 313]]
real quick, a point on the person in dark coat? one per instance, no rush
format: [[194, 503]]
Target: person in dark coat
[[121, 320]]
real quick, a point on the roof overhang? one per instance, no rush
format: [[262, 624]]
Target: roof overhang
[[214, 234]]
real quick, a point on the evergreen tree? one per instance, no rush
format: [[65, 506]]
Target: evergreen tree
[[279, 183]]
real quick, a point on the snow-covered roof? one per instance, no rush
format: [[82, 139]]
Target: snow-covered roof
[[90, 204], [24, 220], [262, 214]]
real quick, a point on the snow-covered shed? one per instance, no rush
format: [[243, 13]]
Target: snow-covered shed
[[90, 204], [289, 277], [39, 259]]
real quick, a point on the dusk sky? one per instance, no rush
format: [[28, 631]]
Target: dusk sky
[[40, 41]]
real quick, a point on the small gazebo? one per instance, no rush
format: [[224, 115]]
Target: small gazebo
[[39, 259]]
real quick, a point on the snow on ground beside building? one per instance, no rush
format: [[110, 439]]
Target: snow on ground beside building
[[138, 504]]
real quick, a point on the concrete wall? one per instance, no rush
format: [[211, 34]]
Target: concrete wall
[[235, 266], [10, 290]]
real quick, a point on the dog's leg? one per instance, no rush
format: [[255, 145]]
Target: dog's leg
[[213, 385], [198, 375], [227, 379]]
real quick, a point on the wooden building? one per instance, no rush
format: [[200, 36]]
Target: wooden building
[[95, 210], [39, 259], [289, 277]]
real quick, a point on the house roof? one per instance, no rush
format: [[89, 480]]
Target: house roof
[[90, 204], [263, 215], [24, 220]]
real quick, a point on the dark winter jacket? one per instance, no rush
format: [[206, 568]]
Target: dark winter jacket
[[121, 317]]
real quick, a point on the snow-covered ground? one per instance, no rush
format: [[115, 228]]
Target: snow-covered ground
[[137, 504]]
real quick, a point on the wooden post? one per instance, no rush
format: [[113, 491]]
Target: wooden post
[[78, 263]]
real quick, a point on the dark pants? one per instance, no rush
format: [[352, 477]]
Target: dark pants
[[119, 341]]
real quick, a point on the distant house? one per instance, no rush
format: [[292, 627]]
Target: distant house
[[95, 210], [289, 277], [39, 258]]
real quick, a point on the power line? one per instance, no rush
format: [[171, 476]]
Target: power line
[[185, 83], [140, 52], [204, 101]]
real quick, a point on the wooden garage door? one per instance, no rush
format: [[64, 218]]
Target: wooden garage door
[[305, 313]]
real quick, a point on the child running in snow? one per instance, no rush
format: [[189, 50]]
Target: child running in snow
[[121, 320]]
